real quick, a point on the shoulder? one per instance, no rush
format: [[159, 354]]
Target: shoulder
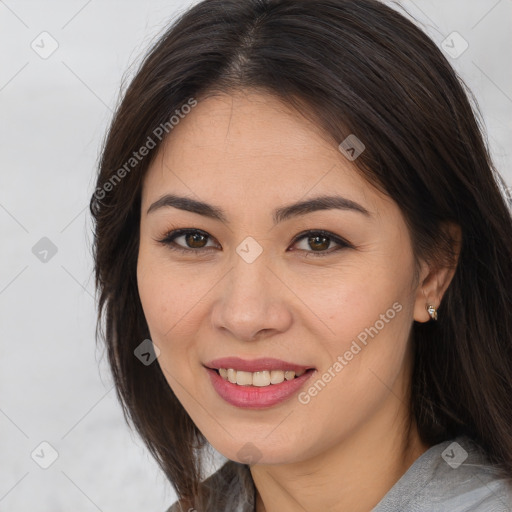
[[453, 476], [229, 489]]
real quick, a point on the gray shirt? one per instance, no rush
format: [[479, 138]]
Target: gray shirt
[[453, 476]]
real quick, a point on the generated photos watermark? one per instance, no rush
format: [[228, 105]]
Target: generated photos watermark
[[355, 348], [158, 134], [351, 147], [454, 455]]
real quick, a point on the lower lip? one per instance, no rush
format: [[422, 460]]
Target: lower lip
[[254, 397]]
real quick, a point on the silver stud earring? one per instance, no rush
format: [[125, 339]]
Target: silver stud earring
[[432, 311]]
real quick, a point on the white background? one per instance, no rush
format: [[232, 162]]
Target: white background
[[54, 383]]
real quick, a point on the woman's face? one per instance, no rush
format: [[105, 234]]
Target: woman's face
[[252, 283]]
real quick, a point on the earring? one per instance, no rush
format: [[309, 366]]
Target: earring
[[432, 311]]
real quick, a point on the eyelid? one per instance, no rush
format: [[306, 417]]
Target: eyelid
[[335, 238], [170, 236]]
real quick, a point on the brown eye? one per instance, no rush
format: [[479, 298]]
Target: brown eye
[[319, 243], [195, 240], [187, 240]]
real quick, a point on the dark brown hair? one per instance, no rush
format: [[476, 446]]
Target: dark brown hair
[[353, 66]]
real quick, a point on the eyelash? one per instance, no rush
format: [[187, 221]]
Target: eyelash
[[169, 238]]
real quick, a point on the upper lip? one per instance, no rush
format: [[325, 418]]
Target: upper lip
[[254, 365]]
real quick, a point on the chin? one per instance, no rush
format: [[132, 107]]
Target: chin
[[260, 452]]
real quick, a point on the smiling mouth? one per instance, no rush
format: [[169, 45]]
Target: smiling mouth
[[261, 378]]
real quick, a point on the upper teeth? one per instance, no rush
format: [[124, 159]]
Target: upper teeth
[[261, 379]]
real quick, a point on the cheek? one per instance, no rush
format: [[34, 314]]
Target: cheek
[[169, 300], [353, 298], [163, 297], [173, 299], [167, 293], [369, 312]]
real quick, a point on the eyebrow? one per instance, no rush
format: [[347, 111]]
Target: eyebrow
[[279, 214]]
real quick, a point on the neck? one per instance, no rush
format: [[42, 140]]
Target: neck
[[354, 475]]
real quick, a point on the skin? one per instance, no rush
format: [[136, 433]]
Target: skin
[[248, 153]]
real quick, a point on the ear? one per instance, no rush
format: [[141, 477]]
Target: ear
[[435, 278]]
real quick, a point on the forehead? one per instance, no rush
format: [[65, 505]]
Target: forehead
[[251, 145]]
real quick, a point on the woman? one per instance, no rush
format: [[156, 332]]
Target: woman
[[305, 262]]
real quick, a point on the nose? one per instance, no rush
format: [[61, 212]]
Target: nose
[[252, 303]]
